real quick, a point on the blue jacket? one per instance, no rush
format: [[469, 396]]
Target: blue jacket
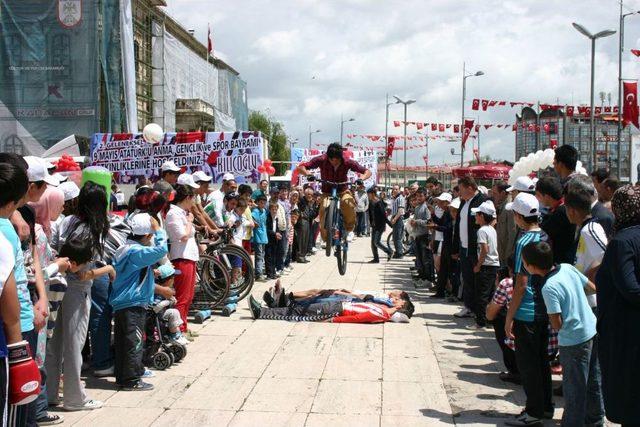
[[134, 284], [260, 231]]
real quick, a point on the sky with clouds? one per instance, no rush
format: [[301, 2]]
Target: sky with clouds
[[307, 62]]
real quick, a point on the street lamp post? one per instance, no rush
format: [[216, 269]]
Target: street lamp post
[[405, 103], [311, 133], [464, 96], [592, 124], [342, 122], [620, 50]]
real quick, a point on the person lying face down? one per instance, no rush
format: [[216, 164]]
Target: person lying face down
[[337, 306], [276, 297]]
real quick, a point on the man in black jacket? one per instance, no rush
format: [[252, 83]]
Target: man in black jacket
[[444, 225], [378, 220], [465, 241]]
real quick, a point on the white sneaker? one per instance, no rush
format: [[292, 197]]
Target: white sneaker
[[100, 373], [182, 340], [278, 272], [350, 237], [323, 246], [86, 406], [314, 249], [465, 312], [289, 269]]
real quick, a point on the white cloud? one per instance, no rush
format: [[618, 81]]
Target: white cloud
[[308, 61]]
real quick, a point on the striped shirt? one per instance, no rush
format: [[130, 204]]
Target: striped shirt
[[399, 206], [530, 303], [592, 242]]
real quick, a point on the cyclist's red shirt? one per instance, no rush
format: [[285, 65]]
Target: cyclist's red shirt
[[328, 173]]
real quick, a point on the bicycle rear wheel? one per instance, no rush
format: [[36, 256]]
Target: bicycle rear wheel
[[328, 225], [212, 284], [242, 286], [341, 255]]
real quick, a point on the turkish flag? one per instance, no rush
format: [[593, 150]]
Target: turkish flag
[[607, 109], [475, 104], [546, 127], [553, 144], [391, 142], [514, 127], [569, 111], [616, 110], [532, 127], [630, 106], [209, 41], [468, 125], [582, 110], [434, 127], [441, 127], [456, 128], [487, 126], [598, 111], [636, 52], [419, 125], [396, 123], [485, 104], [493, 103], [477, 128]]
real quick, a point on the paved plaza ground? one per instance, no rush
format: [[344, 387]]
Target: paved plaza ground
[[242, 372]]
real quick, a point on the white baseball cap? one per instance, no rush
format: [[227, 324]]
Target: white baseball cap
[[187, 179], [169, 166], [455, 203], [61, 178], [140, 224], [486, 207], [228, 177], [525, 204], [523, 183], [201, 176], [38, 172], [70, 190], [445, 197]]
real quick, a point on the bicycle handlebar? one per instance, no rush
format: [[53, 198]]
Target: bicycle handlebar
[[324, 181]]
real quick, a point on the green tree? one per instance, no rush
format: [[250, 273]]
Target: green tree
[[273, 131]]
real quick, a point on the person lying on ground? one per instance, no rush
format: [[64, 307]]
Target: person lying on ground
[[335, 311]]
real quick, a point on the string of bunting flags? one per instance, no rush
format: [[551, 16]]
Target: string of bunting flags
[[570, 110], [455, 127]]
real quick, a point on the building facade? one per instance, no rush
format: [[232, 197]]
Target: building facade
[[538, 131], [77, 67]]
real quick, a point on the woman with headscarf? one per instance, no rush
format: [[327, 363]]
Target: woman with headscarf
[[618, 290]]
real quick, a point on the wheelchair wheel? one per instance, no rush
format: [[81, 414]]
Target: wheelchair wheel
[[328, 225], [161, 360], [242, 286]]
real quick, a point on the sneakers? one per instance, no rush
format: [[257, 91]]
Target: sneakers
[[474, 327], [179, 338], [254, 307], [50, 419], [100, 373], [148, 373], [350, 237], [138, 386], [314, 249], [89, 405], [465, 312], [524, 419], [389, 256]]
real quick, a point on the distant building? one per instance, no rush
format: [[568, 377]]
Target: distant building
[[537, 131], [85, 66]]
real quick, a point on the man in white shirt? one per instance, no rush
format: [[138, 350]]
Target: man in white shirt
[[216, 198]]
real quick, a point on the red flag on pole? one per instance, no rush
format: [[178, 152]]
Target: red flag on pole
[[468, 125], [209, 41], [636, 52], [391, 141], [630, 106]]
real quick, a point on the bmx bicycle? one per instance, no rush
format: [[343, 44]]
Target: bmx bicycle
[[334, 226]]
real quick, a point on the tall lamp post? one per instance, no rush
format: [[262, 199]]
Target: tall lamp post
[[311, 133], [465, 76], [620, 50], [405, 103], [342, 122], [592, 124]]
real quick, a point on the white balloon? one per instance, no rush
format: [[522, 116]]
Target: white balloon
[[152, 133], [510, 173]]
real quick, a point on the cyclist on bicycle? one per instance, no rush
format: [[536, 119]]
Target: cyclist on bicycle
[[334, 167]]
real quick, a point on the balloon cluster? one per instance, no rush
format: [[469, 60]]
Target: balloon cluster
[[533, 162], [66, 164], [266, 167]]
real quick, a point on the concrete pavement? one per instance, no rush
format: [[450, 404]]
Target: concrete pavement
[[241, 372]]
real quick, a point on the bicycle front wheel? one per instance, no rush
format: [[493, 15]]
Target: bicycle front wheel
[[328, 225], [212, 286], [341, 255], [244, 282]]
